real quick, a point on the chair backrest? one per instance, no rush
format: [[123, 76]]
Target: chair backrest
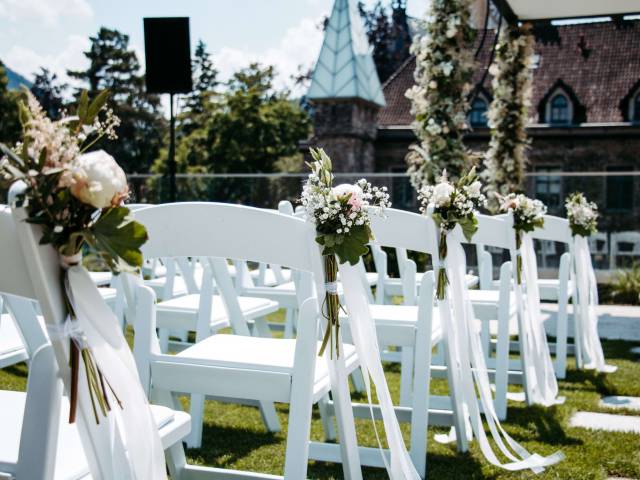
[[625, 237], [493, 231], [404, 230], [555, 229]]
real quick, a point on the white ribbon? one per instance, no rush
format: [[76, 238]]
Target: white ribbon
[[136, 451], [364, 337], [541, 380], [587, 289], [331, 287], [457, 319]]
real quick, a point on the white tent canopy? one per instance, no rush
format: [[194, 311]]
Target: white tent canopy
[[550, 9]]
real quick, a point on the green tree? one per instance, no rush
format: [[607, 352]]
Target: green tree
[[205, 80], [114, 66], [49, 92], [9, 124]]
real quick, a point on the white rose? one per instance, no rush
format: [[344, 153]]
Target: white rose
[[345, 188], [474, 188], [442, 194], [98, 180]]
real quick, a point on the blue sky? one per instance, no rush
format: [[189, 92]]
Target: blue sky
[[53, 33]]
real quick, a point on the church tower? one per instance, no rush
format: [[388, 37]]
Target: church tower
[[345, 92]]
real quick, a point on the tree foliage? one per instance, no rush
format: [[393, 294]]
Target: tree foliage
[[205, 81], [115, 67], [10, 129], [245, 129], [388, 34], [49, 92]]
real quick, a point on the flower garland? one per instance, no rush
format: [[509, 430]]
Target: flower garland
[[341, 217], [582, 214], [444, 68], [453, 205], [76, 199], [528, 214], [505, 159]]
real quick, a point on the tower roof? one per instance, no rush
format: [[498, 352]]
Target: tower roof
[[345, 67]]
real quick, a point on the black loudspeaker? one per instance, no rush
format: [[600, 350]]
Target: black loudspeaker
[[168, 55]]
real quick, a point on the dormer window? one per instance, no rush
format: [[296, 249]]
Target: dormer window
[[559, 110], [478, 112]]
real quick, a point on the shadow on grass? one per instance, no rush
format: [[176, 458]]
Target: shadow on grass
[[19, 370], [548, 426], [224, 446], [458, 466]]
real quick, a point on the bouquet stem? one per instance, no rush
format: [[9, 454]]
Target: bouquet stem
[[519, 257], [331, 307], [443, 281]]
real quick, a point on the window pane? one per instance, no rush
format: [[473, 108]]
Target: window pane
[[478, 113], [559, 111], [619, 190], [636, 109]]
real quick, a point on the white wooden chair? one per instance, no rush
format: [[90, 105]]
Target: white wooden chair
[[494, 304], [12, 348], [560, 289], [37, 442], [619, 239], [242, 366], [415, 327]]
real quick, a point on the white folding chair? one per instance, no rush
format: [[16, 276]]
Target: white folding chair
[[12, 348], [242, 366], [619, 240], [560, 289], [37, 442]]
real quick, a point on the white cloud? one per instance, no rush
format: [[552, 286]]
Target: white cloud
[[27, 61], [300, 45], [47, 12]]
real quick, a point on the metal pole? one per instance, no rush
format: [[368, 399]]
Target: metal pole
[[172, 152]]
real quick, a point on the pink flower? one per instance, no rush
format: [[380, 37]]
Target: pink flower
[[355, 200]]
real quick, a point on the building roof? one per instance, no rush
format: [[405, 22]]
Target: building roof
[[596, 63], [345, 67]]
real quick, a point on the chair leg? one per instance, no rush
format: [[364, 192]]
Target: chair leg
[[176, 461], [261, 328], [357, 380], [406, 376], [502, 367], [327, 419], [196, 410], [288, 323], [561, 340], [163, 336], [420, 403], [269, 416]]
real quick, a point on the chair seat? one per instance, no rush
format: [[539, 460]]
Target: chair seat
[[254, 356], [108, 294], [550, 288], [10, 338], [71, 462], [270, 279], [175, 312], [396, 324], [158, 285], [393, 286], [486, 302], [101, 279]]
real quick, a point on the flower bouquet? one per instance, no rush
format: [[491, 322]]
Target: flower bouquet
[[528, 214], [341, 217], [453, 204], [582, 215], [76, 198]]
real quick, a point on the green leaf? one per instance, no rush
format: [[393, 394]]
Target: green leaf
[[83, 106], [469, 227], [354, 244], [96, 105], [23, 114], [118, 235]]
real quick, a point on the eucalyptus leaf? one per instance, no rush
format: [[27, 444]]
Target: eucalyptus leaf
[[117, 234]]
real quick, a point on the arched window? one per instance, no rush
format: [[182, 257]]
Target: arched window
[[478, 113], [559, 111]]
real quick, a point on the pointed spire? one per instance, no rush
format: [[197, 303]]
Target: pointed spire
[[345, 67]]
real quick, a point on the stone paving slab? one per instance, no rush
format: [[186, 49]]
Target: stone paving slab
[[615, 322], [605, 421], [616, 401]]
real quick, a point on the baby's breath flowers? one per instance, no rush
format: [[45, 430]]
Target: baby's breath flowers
[[528, 214], [341, 217], [582, 214], [453, 204]]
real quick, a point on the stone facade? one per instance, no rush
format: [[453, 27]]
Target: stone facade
[[346, 129]]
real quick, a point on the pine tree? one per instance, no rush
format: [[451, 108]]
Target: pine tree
[[205, 80], [114, 66], [49, 92], [9, 123]]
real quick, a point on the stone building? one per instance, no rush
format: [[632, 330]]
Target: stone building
[[585, 118]]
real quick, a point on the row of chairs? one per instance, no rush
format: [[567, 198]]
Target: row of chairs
[[209, 258]]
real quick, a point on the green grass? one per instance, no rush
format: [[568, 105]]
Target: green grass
[[234, 436]]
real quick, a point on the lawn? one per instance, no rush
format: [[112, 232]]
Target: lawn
[[234, 436]]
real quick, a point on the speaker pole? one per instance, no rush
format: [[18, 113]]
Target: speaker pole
[[172, 151]]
